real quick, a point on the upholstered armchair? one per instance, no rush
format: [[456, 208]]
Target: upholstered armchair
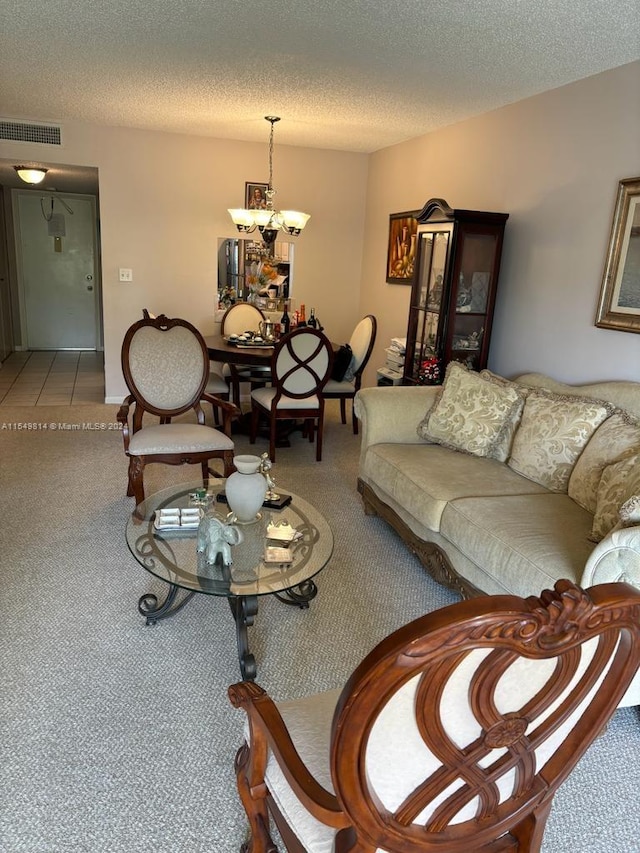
[[452, 735]]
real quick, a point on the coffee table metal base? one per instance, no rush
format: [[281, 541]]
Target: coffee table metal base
[[243, 607]]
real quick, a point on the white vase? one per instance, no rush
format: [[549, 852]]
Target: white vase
[[246, 489]]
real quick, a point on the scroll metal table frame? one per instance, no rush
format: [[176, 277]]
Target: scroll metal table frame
[[171, 556]]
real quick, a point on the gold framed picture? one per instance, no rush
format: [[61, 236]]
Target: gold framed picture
[[619, 303]]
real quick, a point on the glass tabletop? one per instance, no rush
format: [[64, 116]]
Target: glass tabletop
[[171, 554]]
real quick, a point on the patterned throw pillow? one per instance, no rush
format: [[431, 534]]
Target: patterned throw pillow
[[552, 434], [619, 482], [502, 451], [472, 413], [615, 438]]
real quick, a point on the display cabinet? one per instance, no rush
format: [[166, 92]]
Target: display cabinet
[[454, 290]]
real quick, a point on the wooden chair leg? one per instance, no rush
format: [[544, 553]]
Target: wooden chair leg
[[136, 484], [343, 409], [310, 430], [320, 428], [253, 429], [273, 429]]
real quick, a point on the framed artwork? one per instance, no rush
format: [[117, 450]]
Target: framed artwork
[[401, 252], [619, 304], [255, 195]]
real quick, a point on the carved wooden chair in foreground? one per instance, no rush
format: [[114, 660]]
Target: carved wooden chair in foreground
[[452, 735], [166, 368]]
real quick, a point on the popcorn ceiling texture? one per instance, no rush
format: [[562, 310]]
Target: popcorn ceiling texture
[[353, 76]]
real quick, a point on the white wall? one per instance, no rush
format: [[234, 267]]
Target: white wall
[[553, 163], [163, 206]]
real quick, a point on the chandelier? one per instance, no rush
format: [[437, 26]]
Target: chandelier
[[267, 220]]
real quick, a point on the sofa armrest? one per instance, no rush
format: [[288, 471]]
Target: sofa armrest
[[392, 413], [615, 558]]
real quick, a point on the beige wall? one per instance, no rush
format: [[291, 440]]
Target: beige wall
[[163, 206], [552, 162]]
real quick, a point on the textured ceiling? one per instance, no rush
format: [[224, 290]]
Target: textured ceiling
[[355, 75]]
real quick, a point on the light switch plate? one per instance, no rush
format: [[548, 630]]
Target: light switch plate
[[126, 275]]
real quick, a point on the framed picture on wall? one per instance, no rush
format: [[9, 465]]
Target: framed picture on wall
[[401, 251], [619, 304], [255, 195]]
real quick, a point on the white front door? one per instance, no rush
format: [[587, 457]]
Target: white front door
[[56, 238]]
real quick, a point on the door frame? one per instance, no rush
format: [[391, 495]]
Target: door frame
[[97, 278]]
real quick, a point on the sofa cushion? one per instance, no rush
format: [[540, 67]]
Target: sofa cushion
[[553, 431], [530, 539], [614, 438], [619, 482], [422, 478], [502, 450], [472, 413]]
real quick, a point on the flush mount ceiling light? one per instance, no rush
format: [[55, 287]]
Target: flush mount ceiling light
[[267, 220], [31, 174]]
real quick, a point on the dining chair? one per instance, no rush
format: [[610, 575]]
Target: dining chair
[[216, 384], [300, 366], [238, 318], [361, 343], [451, 736], [165, 363]]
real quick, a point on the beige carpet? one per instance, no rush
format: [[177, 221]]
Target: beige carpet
[[118, 738]]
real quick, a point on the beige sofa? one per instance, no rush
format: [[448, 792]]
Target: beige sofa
[[509, 485]]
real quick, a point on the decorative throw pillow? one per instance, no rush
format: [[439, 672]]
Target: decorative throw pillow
[[616, 437], [471, 413], [503, 450], [629, 513], [619, 482], [552, 434]]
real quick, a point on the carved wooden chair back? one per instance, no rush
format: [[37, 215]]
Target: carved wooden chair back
[[300, 367], [453, 734], [165, 363]]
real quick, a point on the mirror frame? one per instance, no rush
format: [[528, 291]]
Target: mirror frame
[[621, 262]]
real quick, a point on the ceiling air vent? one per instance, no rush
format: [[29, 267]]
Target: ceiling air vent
[[24, 131]]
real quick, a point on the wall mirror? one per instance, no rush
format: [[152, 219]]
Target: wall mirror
[[246, 272]]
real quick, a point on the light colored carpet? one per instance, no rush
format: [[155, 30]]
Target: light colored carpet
[[119, 738]]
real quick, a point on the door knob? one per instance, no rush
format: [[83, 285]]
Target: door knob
[[89, 277]]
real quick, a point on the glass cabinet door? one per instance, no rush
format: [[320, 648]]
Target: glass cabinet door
[[469, 318], [429, 308]]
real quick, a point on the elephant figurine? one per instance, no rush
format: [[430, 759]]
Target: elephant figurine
[[216, 537]]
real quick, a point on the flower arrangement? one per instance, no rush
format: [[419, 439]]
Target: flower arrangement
[[260, 276], [430, 372]]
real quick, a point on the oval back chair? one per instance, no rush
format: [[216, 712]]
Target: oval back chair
[[166, 367], [361, 343], [451, 736], [300, 366], [238, 318]]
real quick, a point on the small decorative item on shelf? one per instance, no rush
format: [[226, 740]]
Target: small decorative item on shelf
[[430, 372], [215, 537], [265, 467], [245, 489]]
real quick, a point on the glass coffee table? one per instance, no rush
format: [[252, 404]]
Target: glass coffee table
[[171, 556]]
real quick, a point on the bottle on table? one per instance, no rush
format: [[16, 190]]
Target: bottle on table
[[302, 319], [285, 321], [312, 319]]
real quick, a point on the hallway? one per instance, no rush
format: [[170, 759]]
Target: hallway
[[52, 378]]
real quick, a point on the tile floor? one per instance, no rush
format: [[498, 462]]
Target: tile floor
[[52, 378]]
